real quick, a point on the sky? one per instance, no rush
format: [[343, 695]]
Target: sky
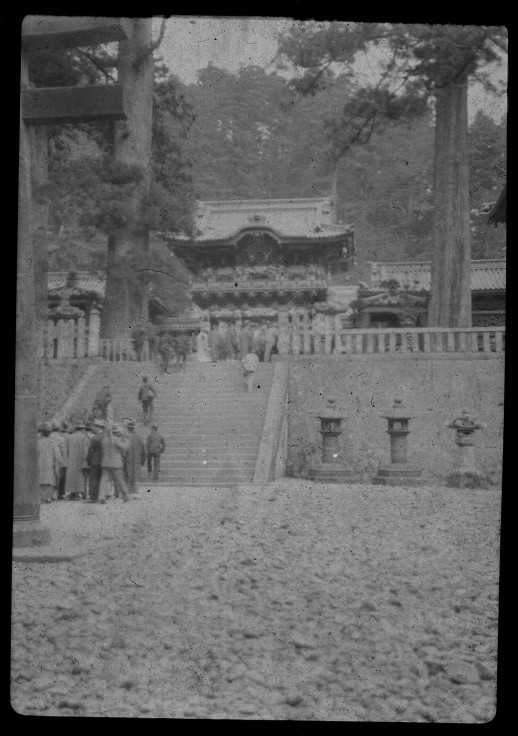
[[190, 43]]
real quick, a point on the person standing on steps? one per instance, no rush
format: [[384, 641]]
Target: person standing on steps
[[250, 363], [94, 459], [146, 396], [155, 446], [102, 400], [114, 447], [166, 350], [134, 459]]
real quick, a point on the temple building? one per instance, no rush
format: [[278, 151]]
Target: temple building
[[397, 294], [259, 259]]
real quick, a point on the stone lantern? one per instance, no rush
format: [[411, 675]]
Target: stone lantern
[[331, 469], [398, 472], [467, 474]]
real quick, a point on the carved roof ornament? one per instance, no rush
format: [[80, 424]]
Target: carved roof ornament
[[465, 422], [64, 308]]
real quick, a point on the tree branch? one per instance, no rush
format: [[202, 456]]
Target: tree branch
[[148, 50], [91, 58]]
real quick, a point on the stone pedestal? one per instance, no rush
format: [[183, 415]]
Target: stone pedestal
[[398, 472], [333, 473], [331, 469], [467, 475], [30, 534]]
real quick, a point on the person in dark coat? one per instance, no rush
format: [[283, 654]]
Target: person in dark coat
[[146, 395], [102, 400], [134, 459], [114, 447], [155, 446], [166, 349], [94, 458]]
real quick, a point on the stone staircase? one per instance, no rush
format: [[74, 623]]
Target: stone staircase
[[211, 426]]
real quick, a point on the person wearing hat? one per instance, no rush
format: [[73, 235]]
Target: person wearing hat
[[134, 458], [155, 446], [77, 450], [114, 447], [48, 463], [94, 459]]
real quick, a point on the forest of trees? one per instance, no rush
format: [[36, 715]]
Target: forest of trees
[[252, 135], [249, 137]]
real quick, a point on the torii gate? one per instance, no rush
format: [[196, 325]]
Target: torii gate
[[44, 106]]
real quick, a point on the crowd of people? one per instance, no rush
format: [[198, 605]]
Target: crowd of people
[[235, 341], [96, 459]]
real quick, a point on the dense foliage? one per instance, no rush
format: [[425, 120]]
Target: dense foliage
[[248, 135]]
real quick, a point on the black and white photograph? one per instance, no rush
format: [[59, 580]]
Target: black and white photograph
[[259, 370]]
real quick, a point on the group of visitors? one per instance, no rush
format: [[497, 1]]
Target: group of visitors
[[163, 348], [236, 341], [96, 459]]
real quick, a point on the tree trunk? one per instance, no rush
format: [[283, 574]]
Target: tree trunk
[[450, 302], [125, 301]]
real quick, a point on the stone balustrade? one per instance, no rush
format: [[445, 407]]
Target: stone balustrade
[[300, 333]]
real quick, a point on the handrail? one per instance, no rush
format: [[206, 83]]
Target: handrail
[[273, 425]]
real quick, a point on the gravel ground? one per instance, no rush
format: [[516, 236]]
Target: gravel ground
[[292, 601]]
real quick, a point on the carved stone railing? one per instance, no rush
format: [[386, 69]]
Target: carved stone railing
[[326, 334], [64, 338], [426, 340]]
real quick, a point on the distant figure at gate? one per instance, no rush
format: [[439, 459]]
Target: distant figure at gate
[[258, 341], [249, 362], [152, 337], [245, 339], [137, 341], [271, 334]]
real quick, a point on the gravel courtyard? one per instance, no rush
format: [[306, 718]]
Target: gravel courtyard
[[291, 601]]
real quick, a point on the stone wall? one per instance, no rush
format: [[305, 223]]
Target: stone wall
[[56, 379], [434, 389]]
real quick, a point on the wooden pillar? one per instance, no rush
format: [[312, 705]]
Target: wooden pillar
[[27, 530]]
